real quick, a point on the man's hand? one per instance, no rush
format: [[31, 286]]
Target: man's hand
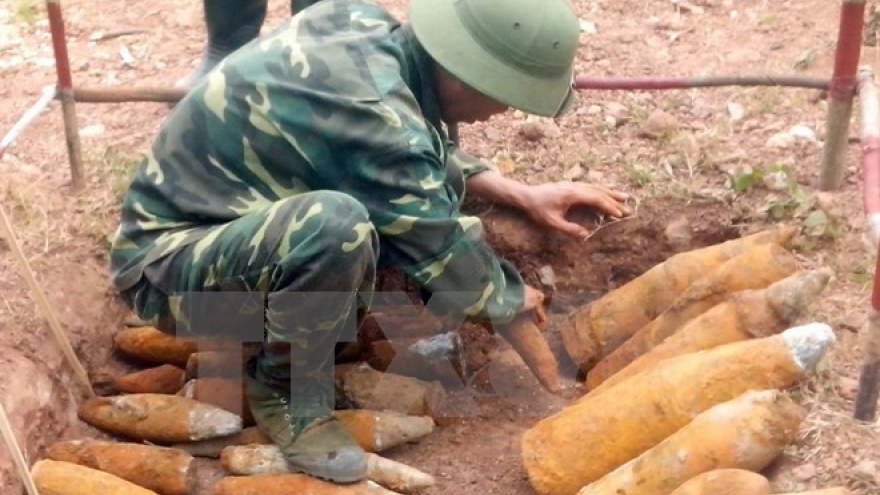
[[535, 302], [548, 204]]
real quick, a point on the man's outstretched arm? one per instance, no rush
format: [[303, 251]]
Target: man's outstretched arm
[[547, 204]]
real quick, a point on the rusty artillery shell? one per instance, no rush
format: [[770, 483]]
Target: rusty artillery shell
[[153, 346], [150, 345], [163, 470], [726, 482], [293, 484], [392, 322], [226, 393], [252, 460], [531, 345], [748, 432], [219, 364], [744, 315], [438, 357], [163, 379], [367, 388], [66, 478], [158, 418], [598, 433], [375, 431], [596, 330], [213, 446], [755, 268], [835, 490]]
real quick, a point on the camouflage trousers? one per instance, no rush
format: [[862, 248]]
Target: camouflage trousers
[[292, 276]]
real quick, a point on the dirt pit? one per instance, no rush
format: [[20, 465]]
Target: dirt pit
[[475, 448]]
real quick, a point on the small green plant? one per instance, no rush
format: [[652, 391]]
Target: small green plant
[[743, 182], [747, 178], [792, 201], [802, 204], [767, 20], [637, 175], [27, 11], [118, 168], [805, 60]]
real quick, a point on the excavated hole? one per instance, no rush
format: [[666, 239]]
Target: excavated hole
[[503, 398]]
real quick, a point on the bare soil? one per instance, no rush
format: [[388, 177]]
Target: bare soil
[[703, 178]]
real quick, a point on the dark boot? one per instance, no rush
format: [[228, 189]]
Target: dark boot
[[230, 24], [297, 5], [299, 420]]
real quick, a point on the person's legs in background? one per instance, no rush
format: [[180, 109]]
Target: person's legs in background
[[230, 24]]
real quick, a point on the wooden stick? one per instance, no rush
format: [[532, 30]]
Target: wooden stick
[[39, 295], [65, 93], [16, 453], [124, 94]]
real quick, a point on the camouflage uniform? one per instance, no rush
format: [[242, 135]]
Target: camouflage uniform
[[284, 172]]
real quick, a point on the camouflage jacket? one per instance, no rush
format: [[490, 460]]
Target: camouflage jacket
[[339, 97]]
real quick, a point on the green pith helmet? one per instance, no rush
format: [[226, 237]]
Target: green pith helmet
[[518, 52]]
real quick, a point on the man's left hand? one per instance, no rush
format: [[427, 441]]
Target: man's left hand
[[548, 204]]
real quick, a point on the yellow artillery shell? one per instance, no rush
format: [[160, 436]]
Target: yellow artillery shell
[[375, 431], [594, 331], [163, 379], [163, 470], [748, 432], [66, 478], [597, 434], [726, 482], [262, 460], [293, 484], [158, 418]]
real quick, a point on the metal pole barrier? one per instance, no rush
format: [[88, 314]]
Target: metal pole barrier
[[866, 398], [656, 83], [32, 113], [843, 87], [65, 93]]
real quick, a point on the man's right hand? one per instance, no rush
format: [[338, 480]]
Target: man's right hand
[[534, 301]]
